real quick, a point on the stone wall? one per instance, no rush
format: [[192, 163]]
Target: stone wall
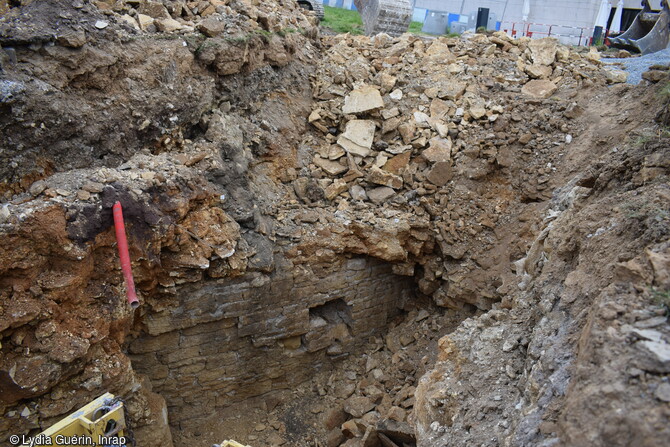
[[232, 339]]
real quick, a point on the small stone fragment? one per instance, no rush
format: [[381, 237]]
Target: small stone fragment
[[145, 21], [358, 406], [335, 189], [396, 94], [615, 76], [663, 392], [167, 25], [357, 192], [212, 27], [37, 188]]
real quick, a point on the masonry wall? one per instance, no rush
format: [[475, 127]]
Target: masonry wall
[[230, 340]]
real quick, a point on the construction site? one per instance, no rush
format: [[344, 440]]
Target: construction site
[[222, 223]]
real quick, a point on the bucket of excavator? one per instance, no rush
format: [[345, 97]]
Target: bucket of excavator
[[649, 33]]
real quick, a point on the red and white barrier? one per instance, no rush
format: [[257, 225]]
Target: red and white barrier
[[539, 30]]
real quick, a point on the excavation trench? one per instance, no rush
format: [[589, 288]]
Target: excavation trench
[[242, 343], [291, 355], [308, 217]]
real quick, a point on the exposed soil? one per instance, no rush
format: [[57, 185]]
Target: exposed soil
[[336, 240]]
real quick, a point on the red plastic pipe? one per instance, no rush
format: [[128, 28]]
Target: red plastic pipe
[[122, 243]]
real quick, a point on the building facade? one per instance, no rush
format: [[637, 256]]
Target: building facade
[[571, 21], [567, 20]]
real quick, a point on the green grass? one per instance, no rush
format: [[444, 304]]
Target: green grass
[[661, 297], [415, 27], [665, 92], [342, 20]]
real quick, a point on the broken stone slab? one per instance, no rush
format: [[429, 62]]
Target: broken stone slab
[[543, 51], [440, 174], [593, 54], [381, 194], [655, 76], [397, 164], [453, 91], [539, 88], [440, 127], [334, 418], [358, 137], [384, 178], [439, 51], [314, 116], [167, 25], [330, 167], [439, 150], [439, 109], [362, 100], [381, 159], [396, 413], [538, 71]]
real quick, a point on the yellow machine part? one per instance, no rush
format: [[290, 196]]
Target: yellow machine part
[[232, 444], [101, 422]]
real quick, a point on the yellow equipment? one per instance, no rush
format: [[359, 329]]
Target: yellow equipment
[[99, 423]]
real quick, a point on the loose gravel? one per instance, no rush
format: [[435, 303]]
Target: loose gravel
[[635, 66]]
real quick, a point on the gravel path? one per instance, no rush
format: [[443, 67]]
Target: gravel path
[[635, 66]]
